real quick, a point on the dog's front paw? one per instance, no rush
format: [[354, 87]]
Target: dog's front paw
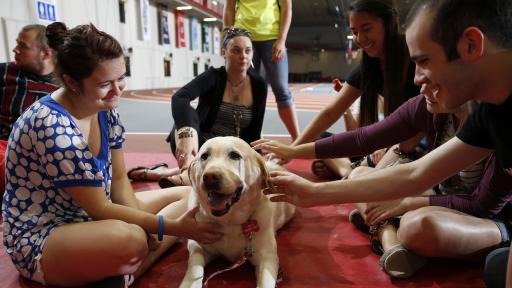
[[192, 283]]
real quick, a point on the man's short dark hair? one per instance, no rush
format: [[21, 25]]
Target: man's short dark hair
[[452, 17], [42, 42]]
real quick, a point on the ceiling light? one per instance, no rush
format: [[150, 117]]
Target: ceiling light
[[335, 25], [211, 19], [181, 8], [350, 37], [214, 3]]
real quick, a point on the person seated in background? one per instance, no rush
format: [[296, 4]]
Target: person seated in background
[[68, 203], [23, 81], [472, 60], [232, 102], [385, 69], [269, 22]]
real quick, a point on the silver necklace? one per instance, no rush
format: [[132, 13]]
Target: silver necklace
[[234, 96], [237, 113]]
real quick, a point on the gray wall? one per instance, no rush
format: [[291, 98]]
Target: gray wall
[[147, 56]]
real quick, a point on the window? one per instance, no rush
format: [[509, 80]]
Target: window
[[127, 64], [122, 16], [167, 68]]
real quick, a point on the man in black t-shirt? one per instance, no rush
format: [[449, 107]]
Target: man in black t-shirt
[[456, 61]]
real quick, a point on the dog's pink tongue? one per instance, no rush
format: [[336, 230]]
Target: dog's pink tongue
[[219, 205], [219, 201]]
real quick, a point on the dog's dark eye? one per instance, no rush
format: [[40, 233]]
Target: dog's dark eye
[[234, 155], [204, 156]]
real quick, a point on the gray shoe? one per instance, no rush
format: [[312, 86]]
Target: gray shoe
[[399, 262]]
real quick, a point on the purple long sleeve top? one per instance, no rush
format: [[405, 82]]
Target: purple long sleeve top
[[405, 122], [490, 197]]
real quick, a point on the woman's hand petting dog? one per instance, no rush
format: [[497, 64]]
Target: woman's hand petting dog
[[188, 227], [380, 211], [275, 149], [291, 188]]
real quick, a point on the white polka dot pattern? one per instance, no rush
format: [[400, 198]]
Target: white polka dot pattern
[[46, 153]]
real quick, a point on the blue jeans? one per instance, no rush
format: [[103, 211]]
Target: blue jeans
[[276, 72]]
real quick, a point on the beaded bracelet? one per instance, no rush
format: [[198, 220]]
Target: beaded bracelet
[[160, 227], [185, 132]]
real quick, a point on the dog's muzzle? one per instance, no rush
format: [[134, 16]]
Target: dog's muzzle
[[219, 202]]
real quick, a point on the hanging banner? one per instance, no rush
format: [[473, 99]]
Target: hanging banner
[[216, 40], [165, 35], [144, 20], [195, 34], [206, 38], [181, 41]]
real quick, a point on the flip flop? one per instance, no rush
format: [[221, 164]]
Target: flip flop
[[166, 182], [145, 170], [321, 170]]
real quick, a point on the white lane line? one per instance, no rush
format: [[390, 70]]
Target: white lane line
[[169, 103]]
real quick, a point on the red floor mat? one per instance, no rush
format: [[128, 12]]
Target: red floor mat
[[318, 248]]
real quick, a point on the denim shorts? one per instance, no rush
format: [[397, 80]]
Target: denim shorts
[[504, 227]]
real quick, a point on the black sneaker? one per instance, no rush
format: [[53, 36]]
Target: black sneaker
[[357, 220], [495, 270], [121, 281]]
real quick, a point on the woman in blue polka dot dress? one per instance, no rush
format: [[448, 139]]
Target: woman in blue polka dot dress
[[69, 213]]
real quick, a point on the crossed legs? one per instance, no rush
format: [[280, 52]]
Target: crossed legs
[[442, 232], [96, 244]]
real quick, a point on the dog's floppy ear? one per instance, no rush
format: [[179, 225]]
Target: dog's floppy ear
[[264, 176], [192, 172]]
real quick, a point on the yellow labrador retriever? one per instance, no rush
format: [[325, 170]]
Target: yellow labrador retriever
[[227, 177]]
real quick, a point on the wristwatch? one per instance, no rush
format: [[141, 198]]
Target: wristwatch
[[185, 132]]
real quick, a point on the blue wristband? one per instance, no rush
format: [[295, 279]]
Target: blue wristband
[[160, 227]]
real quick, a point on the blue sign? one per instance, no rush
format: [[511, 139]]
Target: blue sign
[[51, 12], [166, 38], [41, 11], [195, 34], [46, 11]]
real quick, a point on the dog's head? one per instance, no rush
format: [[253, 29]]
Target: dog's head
[[226, 172]]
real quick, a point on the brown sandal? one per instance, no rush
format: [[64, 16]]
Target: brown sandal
[[145, 170], [321, 170], [166, 182]]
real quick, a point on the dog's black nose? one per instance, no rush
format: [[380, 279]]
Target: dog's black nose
[[211, 180]]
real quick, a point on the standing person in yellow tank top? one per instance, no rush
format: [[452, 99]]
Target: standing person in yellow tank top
[[269, 22]]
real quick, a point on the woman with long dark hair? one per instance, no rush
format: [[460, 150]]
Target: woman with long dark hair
[[385, 70]]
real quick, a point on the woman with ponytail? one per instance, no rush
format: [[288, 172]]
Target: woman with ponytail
[[70, 215]]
